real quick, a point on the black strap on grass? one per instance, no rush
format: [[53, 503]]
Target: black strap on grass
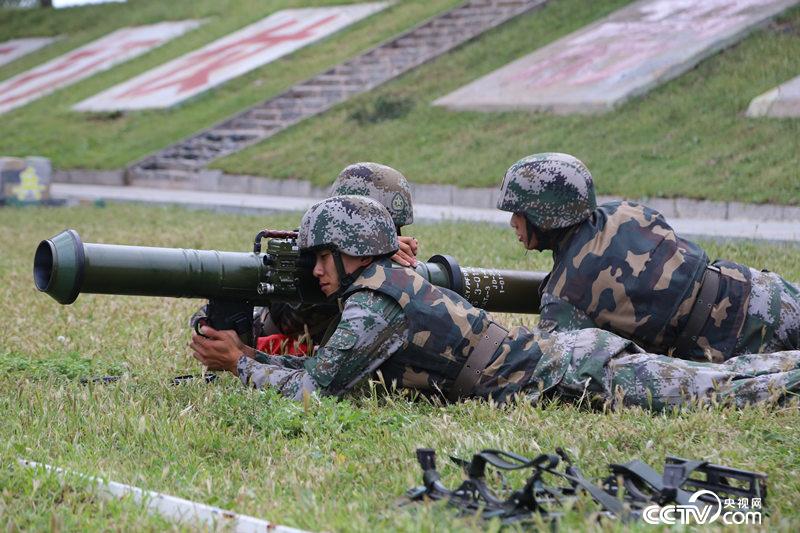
[[624, 494]]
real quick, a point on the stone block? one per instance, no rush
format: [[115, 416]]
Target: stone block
[[626, 54], [207, 180], [764, 212], [156, 181], [265, 186], [475, 197], [90, 177], [791, 213], [700, 209], [235, 183], [665, 206], [781, 102], [432, 194], [294, 188], [319, 192]]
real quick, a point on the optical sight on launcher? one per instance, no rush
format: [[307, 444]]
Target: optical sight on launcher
[[235, 282]]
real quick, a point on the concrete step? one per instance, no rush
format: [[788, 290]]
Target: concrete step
[[165, 164], [343, 82], [237, 134], [266, 115]]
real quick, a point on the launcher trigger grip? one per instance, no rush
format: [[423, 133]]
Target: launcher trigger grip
[[199, 323]]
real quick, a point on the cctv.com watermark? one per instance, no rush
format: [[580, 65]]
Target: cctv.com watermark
[[730, 511]]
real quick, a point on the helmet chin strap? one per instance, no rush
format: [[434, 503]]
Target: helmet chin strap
[[545, 240], [345, 279], [531, 231]]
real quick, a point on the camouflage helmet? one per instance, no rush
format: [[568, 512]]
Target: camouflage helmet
[[553, 190], [379, 182], [354, 225]]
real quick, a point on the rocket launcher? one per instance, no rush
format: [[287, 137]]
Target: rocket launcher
[[235, 282]]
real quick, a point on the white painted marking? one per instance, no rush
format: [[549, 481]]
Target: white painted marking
[[59, 4], [621, 56], [172, 508], [97, 56], [16, 48], [249, 48]]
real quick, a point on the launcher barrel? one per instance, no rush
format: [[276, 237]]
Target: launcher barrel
[[65, 266]]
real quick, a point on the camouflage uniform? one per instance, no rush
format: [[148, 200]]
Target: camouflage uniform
[[379, 182], [621, 267], [598, 372], [419, 336]]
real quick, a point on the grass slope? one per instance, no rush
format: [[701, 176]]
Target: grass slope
[[71, 139], [325, 465], [687, 138]]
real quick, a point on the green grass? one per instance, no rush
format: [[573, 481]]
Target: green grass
[[325, 465]]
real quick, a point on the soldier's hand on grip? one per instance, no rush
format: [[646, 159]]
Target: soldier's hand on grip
[[219, 350], [407, 254]]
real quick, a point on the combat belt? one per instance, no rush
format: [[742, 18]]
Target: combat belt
[[476, 363], [624, 494], [701, 310]]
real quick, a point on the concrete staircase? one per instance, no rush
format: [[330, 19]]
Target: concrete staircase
[[180, 164]]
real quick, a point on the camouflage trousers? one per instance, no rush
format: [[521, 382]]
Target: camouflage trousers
[[658, 381], [786, 308]]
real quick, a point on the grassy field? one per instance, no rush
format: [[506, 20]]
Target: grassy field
[[323, 465], [687, 138]]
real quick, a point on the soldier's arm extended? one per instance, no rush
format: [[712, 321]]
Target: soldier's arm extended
[[373, 327], [285, 361], [558, 314]]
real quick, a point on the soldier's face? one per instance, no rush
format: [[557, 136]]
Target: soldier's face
[[325, 269], [521, 229]]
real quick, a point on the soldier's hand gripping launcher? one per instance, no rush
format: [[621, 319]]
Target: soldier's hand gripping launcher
[[235, 282]]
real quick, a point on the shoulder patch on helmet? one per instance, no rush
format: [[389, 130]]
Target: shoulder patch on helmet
[[398, 202], [384, 184]]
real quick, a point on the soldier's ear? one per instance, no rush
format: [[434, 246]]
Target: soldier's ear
[[364, 261]]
